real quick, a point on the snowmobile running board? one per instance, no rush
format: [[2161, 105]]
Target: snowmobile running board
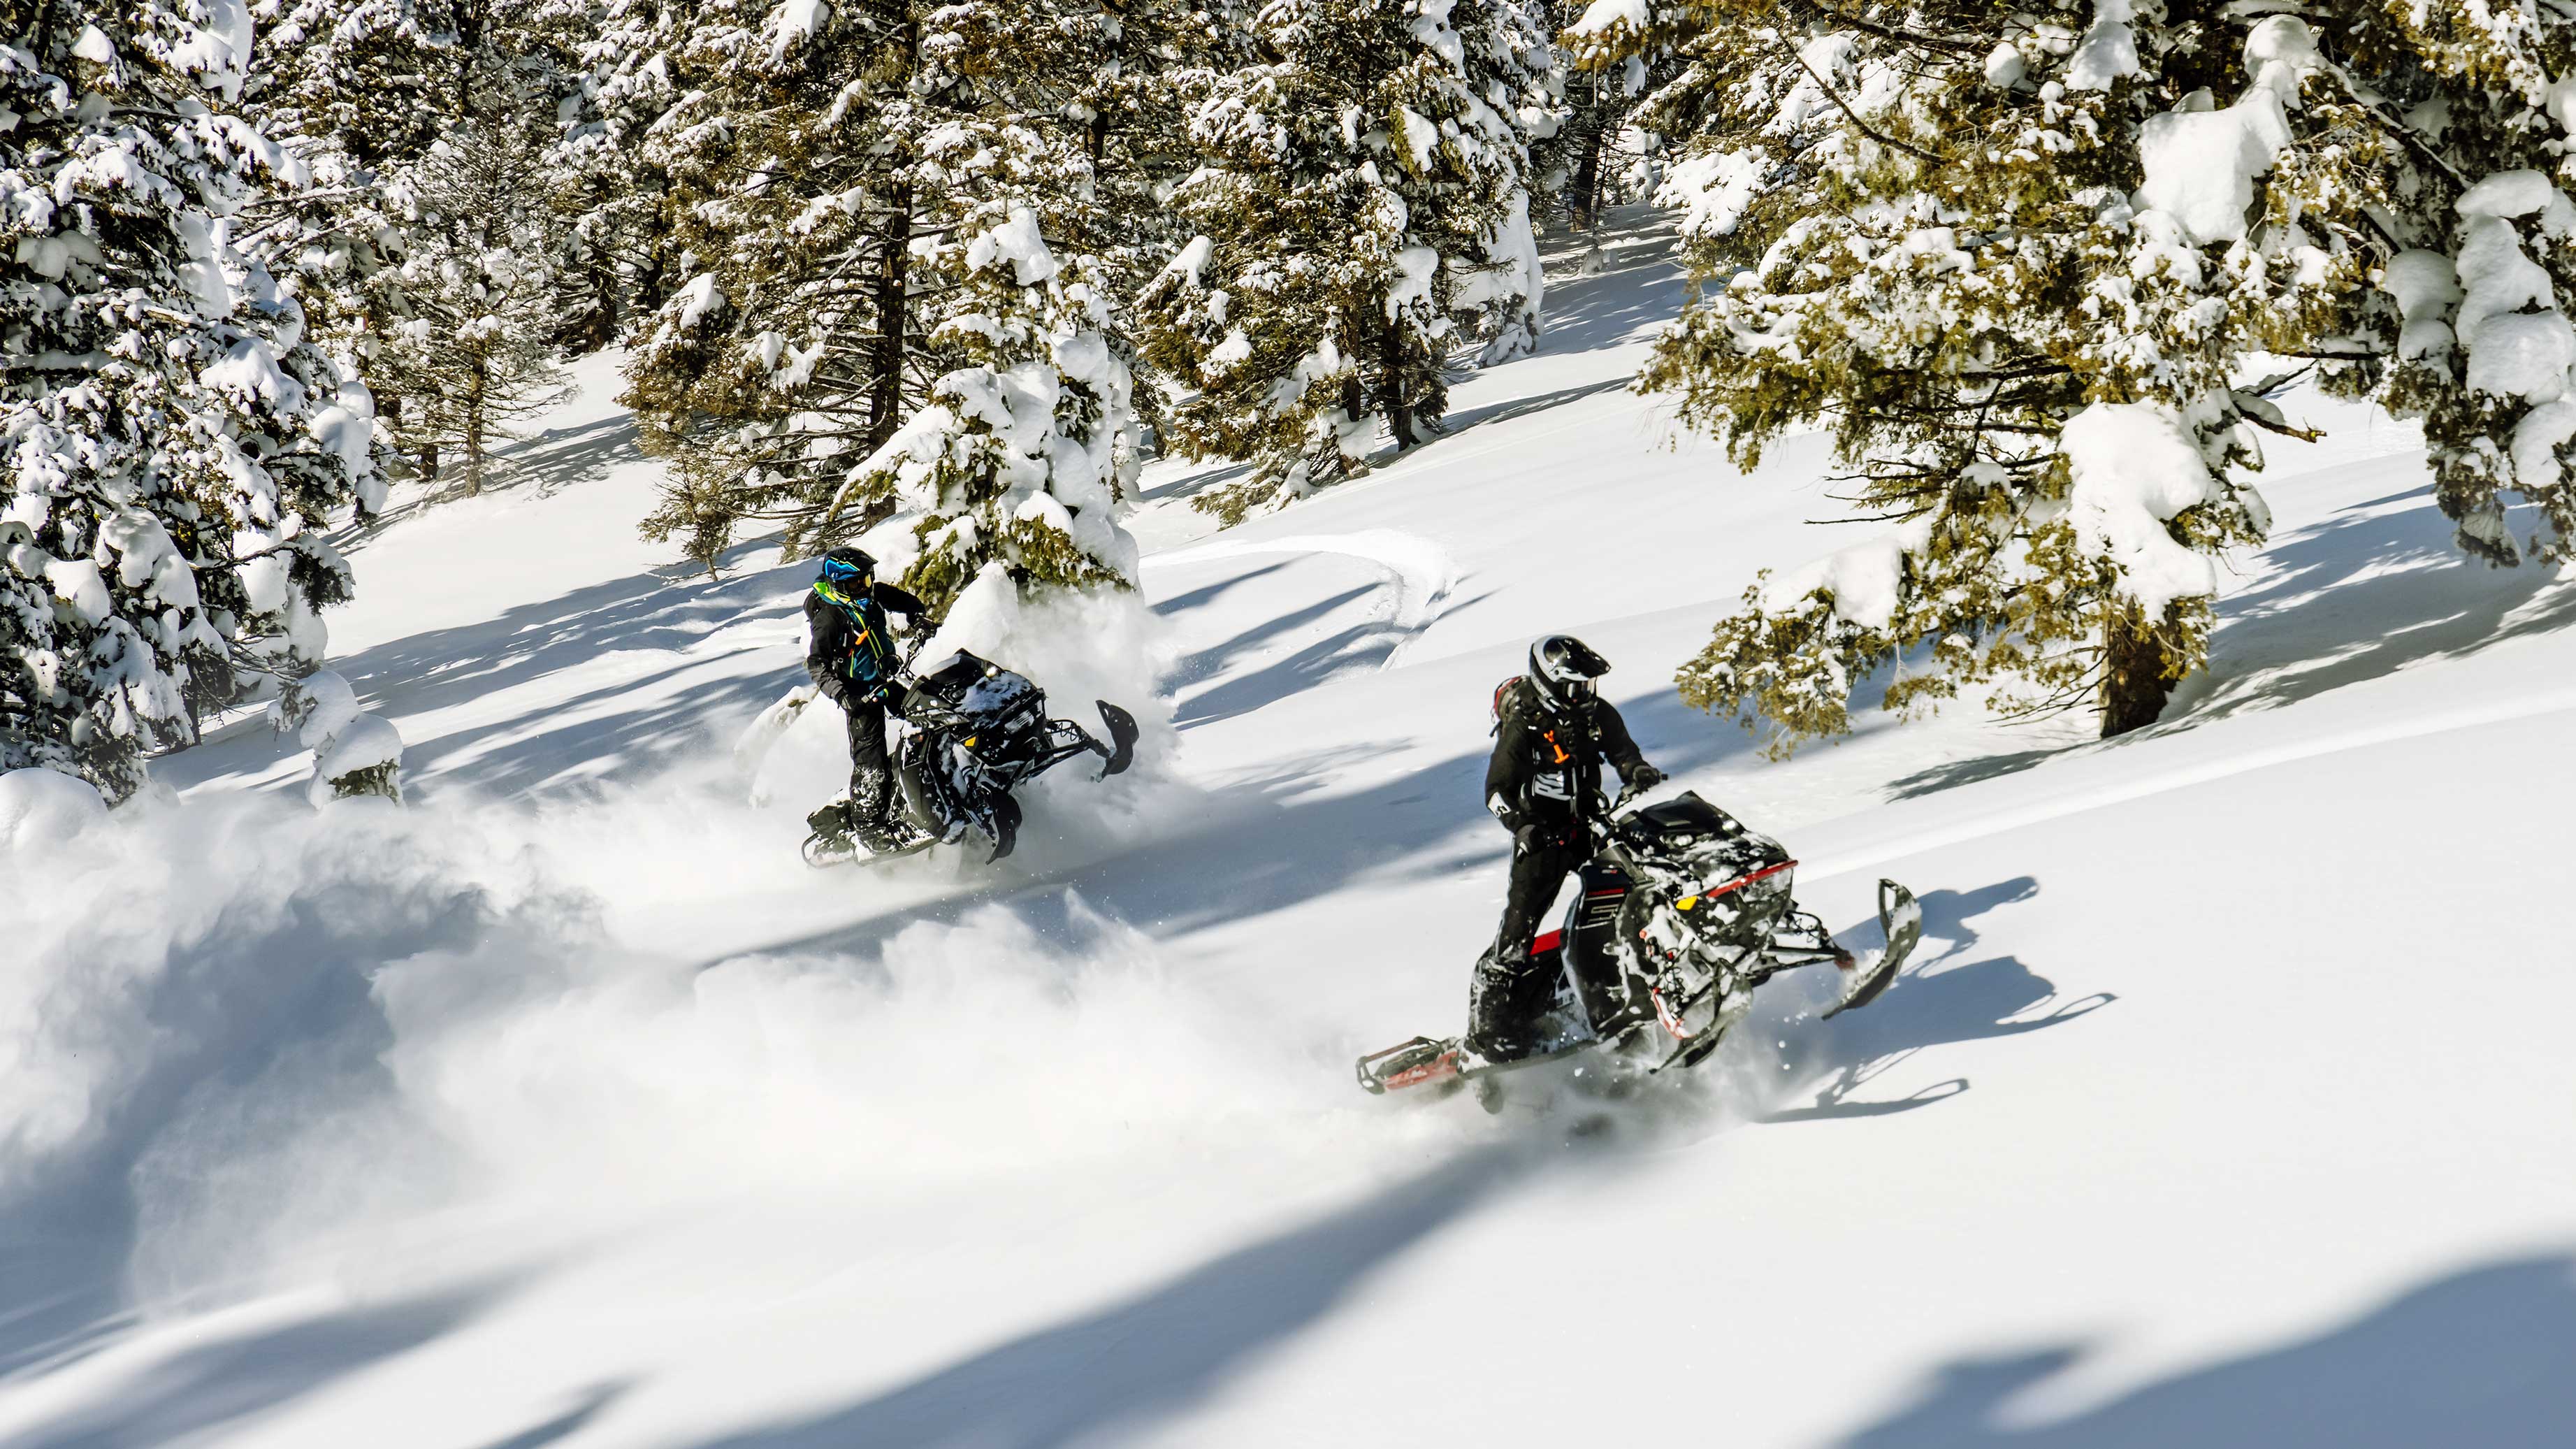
[[823, 859]]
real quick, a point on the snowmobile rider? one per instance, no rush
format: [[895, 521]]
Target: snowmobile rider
[[1552, 730], [854, 663]]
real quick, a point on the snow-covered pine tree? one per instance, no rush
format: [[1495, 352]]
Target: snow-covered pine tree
[[898, 312], [2031, 264], [616, 196], [1575, 163], [172, 438], [1029, 441], [785, 349], [433, 127], [468, 347], [1358, 183]]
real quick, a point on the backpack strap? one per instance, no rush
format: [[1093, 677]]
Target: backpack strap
[[1504, 688]]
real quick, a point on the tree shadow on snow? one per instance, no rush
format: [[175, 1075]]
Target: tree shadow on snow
[[1362, 648], [2474, 1357], [205, 1388], [1951, 774], [1192, 484], [1151, 1355], [629, 724], [2369, 591], [544, 462], [586, 1407], [1944, 1000]]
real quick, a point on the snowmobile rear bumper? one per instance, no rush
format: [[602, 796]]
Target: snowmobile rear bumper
[[1416, 1063]]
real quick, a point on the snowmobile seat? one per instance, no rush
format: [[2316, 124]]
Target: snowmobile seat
[[1688, 815]]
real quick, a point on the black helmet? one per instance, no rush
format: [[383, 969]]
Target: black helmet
[[1563, 667], [847, 569]]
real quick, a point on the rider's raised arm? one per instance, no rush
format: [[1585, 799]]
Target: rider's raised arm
[[901, 601]]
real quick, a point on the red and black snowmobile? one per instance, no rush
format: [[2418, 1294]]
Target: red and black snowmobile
[[1683, 912]]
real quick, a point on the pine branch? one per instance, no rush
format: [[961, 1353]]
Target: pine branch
[[1902, 37]]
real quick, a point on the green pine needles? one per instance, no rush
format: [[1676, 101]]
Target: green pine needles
[[2034, 268]]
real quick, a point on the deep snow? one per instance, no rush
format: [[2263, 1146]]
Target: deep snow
[[2227, 1105]]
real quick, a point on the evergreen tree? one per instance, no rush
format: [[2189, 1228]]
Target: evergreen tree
[[1575, 161], [1362, 182], [615, 193], [173, 438], [898, 310], [467, 348], [2024, 260], [434, 131]]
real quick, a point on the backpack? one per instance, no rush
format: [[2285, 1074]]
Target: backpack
[[871, 662]]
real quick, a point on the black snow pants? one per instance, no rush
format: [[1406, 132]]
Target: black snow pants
[[1539, 868], [871, 779], [1511, 988]]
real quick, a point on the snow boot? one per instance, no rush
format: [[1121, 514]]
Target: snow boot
[[1498, 1022]]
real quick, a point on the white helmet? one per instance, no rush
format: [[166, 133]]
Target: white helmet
[[1563, 667]]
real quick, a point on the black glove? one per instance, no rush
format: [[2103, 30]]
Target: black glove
[[1646, 778]]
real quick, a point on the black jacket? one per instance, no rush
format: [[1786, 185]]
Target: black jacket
[[853, 660], [1546, 770]]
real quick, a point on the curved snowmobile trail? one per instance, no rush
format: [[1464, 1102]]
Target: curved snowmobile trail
[[1421, 575], [2224, 1101], [2061, 804]]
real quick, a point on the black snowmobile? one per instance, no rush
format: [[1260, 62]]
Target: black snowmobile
[[976, 732], [1683, 912]]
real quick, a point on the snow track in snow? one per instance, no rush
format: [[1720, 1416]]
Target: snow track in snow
[[1422, 574], [2186, 777]]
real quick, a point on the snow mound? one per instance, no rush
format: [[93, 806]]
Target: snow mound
[[41, 809]]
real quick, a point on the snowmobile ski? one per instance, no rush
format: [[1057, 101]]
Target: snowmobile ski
[[1902, 920], [1122, 739]]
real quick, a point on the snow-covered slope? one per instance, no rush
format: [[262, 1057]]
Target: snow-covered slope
[[2227, 1105]]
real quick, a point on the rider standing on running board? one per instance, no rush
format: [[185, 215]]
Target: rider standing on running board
[[1552, 732], [854, 663]]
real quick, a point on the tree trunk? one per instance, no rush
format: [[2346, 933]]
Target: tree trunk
[[477, 374], [894, 275], [885, 382], [1586, 202], [429, 462], [1399, 409], [2134, 684]]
